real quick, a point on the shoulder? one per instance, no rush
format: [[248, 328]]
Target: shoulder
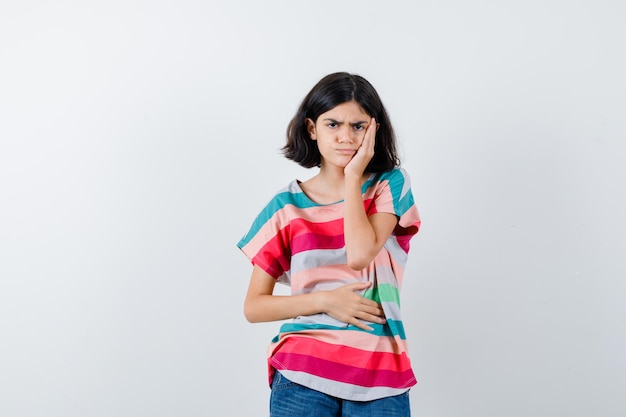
[[274, 215], [291, 195], [396, 174], [397, 180], [284, 200]]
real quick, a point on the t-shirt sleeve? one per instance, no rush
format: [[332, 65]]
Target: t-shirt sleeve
[[267, 242], [394, 195]]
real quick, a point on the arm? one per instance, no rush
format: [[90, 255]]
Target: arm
[[342, 303], [364, 236]]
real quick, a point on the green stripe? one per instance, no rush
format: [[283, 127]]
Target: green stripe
[[383, 293]]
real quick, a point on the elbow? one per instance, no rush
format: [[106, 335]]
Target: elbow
[[358, 264], [250, 317], [249, 313], [360, 258]]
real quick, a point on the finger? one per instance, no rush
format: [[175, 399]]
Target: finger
[[366, 135], [370, 134], [358, 286], [361, 320], [370, 306], [375, 312], [361, 325], [374, 319]]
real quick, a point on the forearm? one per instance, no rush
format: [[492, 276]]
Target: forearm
[[265, 307], [343, 303], [359, 234]]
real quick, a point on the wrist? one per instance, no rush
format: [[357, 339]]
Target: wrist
[[319, 301], [352, 178]]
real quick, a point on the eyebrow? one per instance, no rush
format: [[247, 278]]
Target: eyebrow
[[360, 122]]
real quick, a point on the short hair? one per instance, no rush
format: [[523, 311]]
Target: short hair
[[329, 92]]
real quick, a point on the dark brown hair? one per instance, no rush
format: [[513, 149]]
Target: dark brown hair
[[329, 92]]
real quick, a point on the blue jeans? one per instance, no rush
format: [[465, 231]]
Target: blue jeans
[[289, 399]]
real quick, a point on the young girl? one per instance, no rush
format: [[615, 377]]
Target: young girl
[[340, 240]]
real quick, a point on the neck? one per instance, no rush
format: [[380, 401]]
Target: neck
[[333, 179]]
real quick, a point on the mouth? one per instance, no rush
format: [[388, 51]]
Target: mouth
[[346, 151]]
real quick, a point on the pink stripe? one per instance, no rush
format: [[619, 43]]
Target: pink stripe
[[343, 373], [349, 356], [302, 225], [274, 256], [320, 214], [312, 241], [383, 258]]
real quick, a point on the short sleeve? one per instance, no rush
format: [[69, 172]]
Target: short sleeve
[[267, 242], [394, 195]]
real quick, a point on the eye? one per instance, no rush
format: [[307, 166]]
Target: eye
[[332, 125], [359, 127]]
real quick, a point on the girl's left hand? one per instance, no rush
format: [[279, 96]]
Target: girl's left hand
[[364, 154]]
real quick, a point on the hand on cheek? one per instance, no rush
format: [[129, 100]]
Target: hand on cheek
[[365, 153]]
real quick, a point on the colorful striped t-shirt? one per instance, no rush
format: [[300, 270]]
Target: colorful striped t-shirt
[[301, 243]]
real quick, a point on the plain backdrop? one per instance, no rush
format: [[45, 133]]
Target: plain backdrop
[[139, 139]]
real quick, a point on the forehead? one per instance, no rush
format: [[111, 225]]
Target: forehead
[[350, 111]]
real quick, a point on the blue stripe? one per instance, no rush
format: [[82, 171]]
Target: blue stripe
[[277, 203], [290, 196], [390, 329], [396, 179]]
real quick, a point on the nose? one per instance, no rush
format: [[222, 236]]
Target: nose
[[346, 135]]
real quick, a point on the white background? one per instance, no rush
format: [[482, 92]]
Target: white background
[[138, 140]]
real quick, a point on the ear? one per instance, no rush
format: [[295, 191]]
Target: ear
[[310, 127]]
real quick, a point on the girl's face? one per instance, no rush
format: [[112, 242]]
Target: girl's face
[[339, 132]]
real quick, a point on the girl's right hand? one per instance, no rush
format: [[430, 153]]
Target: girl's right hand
[[365, 152], [345, 305]]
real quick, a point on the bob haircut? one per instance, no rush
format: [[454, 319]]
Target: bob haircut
[[329, 92]]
